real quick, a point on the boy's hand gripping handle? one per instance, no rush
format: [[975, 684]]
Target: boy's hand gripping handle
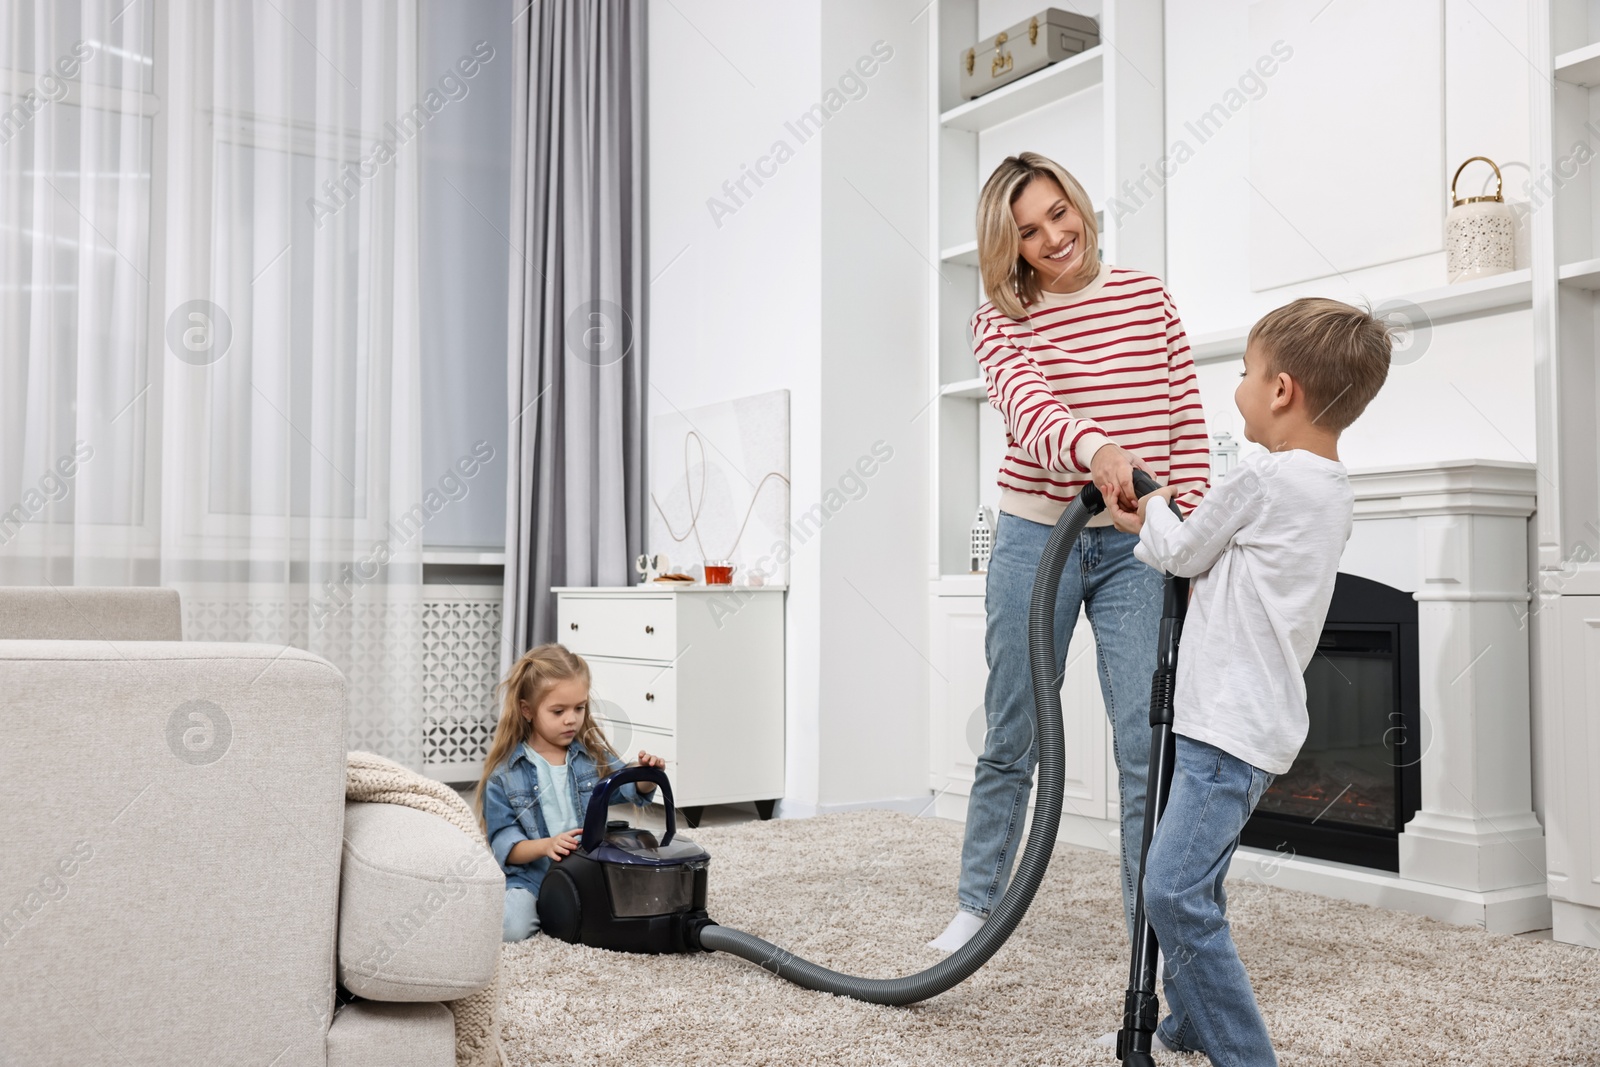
[[594, 820], [1095, 501]]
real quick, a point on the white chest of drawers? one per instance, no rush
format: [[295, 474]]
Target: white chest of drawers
[[694, 675]]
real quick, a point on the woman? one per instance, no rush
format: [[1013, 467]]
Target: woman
[[1091, 369]]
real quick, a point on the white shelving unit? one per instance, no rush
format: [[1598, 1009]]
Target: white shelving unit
[[1126, 129], [1564, 87], [1104, 111]]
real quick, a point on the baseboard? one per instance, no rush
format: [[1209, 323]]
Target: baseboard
[[1575, 924], [1502, 911], [1080, 831]]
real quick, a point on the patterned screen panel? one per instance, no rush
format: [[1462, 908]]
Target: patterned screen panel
[[421, 676], [461, 666]]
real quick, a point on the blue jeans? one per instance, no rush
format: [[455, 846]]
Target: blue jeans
[[521, 919], [1123, 600], [1209, 1000]]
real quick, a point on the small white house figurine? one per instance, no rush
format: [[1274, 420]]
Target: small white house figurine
[[982, 539]]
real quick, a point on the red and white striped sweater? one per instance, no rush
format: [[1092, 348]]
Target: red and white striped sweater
[[1108, 363]]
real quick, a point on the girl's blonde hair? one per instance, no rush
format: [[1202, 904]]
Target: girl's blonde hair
[[1008, 279], [529, 682]]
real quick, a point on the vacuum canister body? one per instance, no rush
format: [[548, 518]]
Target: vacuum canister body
[[623, 888]]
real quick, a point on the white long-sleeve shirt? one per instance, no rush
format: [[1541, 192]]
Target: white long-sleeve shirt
[[1263, 549]]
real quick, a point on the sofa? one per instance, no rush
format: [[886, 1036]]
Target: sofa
[[182, 880]]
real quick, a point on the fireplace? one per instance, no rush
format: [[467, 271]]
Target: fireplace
[[1357, 781]]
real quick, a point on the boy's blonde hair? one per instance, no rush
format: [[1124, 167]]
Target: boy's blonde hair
[[1337, 353], [1009, 280], [530, 681]]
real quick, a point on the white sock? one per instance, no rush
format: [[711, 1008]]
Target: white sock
[[958, 933]]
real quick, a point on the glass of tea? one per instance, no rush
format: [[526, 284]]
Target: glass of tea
[[719, 571]]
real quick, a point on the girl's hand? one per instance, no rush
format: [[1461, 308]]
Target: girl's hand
[[647, 760], [562, 844]]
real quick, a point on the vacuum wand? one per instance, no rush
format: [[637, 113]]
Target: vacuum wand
[[1141, 1010]]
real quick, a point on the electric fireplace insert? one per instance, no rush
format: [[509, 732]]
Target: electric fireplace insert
[[1357, 780]]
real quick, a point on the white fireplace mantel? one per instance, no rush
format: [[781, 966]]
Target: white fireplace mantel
[[1455, 536]]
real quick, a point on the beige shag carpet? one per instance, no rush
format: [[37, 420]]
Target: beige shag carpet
[[1338, 983]]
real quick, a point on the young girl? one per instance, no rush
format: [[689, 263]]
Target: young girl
[[547, 756]]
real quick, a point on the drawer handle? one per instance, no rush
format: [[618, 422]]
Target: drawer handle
[[573, 625], [649, 696], [649, 629]]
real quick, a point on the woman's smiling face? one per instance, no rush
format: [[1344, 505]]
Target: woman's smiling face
[[1050, 234]]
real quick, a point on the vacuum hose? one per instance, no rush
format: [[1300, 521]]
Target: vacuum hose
[[961, 963]]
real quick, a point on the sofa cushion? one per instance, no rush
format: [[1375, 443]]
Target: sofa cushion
[[172, 816], [367, 1033], [420, 907], [69, 613]]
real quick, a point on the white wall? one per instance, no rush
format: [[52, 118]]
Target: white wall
[[876, 270], [806, 287], [1471, 392]]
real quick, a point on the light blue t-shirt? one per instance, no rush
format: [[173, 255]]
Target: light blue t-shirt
[[555, 794]]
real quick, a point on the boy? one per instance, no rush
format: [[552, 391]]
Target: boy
[[1263, 548]]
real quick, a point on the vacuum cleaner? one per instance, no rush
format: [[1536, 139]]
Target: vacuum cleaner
[[625, 889]]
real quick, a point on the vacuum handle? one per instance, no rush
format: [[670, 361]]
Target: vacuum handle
[[599, 813], [1095, 502]]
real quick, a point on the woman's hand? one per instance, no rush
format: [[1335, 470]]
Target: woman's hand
[[647, 760], [1111, 470]]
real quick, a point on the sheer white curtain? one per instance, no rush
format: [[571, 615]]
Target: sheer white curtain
[[210, 281]]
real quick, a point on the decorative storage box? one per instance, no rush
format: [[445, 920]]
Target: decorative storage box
[[1028, 46]]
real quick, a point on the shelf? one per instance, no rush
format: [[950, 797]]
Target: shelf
[[1217, 347], [1055, 82], [970, 389], [1581, 275], [966, 254], [1496, 293], [1581, 66]]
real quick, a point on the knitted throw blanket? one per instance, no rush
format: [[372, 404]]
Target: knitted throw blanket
[[373, 779]]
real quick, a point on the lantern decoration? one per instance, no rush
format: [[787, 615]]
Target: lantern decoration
[[982, 539], [1224, 455], [1478, 231]]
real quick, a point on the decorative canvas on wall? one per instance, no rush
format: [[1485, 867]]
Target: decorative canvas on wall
[[719, 486]]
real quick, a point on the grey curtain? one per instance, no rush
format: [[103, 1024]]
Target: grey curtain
[[575, 510]]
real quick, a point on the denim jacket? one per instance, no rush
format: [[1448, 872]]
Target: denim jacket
[[511, 811]]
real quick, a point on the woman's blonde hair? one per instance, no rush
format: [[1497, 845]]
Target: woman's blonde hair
[[1008, 279], [529, 682]]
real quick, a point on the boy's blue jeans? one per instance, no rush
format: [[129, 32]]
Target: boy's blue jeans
[[1123, 599], [1212, 1008]]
